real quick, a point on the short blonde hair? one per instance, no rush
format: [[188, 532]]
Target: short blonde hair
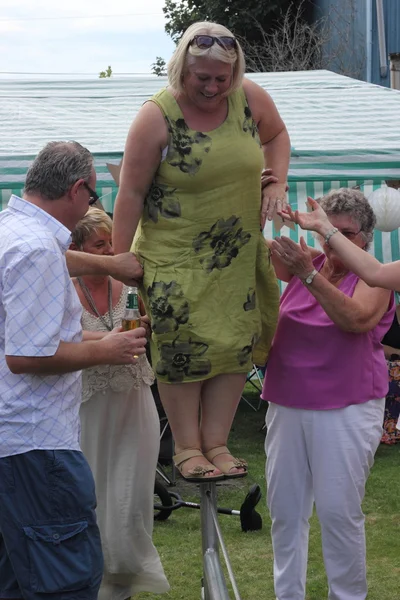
[[95, 220], [178, 62]]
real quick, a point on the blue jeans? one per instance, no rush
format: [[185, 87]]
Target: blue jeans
[[49, 540]]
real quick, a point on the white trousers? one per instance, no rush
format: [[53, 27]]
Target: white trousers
[[323, 457]]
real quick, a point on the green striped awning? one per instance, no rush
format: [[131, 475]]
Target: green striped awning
[[343, 131]]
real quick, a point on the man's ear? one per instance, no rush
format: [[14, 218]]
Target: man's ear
[[75, 187]]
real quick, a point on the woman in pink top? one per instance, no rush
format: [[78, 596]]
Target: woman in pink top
[[326, 383]]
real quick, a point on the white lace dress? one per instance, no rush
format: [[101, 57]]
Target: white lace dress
[[120, 439]]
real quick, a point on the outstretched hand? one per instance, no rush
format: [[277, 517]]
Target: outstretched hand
[[315, 220], [296, 257]]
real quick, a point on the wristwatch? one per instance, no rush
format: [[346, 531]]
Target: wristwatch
[[309, 279]]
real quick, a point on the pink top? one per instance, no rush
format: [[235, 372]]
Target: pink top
[[315, 365]]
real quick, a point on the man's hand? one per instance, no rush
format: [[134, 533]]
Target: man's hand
[[123, 347], [126, 268]]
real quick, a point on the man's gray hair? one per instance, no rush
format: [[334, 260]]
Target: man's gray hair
[[354, 204], [56, 168]]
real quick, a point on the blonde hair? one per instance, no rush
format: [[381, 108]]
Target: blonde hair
[[94, 220], [179, 60]]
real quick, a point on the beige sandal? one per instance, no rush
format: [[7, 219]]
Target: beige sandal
[[226, 466], [199, 472]]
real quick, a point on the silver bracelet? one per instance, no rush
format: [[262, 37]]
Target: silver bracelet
[[330, 234]]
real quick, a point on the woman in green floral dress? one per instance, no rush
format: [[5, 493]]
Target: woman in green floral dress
[[190, 194]]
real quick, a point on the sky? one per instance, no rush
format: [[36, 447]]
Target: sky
[[81, 36]]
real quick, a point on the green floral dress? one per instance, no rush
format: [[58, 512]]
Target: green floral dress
[[208, 285]]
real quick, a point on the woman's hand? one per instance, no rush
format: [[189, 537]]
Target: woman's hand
[[316, 220], [267, 177], [273, 197], [296, 257]]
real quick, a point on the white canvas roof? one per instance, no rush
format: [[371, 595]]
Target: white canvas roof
[[339, 126]]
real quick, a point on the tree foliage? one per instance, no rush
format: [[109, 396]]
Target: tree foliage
[[106, 73], [159, 67], [237, 15], [278, 35], [298, 45]]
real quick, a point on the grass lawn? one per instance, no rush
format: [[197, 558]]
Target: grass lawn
[[179, 542]]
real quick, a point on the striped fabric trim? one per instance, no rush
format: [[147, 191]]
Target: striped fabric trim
[[385, 246]]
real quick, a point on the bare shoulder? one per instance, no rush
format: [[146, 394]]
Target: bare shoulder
[[147, 138], [149, 126], [257, 97], [264, 111]]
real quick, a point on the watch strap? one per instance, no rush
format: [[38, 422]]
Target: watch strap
[[310, 277]]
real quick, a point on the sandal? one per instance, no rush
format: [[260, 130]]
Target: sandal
[[226, 466], [197, 473]]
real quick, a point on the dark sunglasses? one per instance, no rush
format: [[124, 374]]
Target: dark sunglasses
[[93, 195], [206, 41]]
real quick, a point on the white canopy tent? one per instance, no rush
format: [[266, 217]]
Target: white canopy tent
[[344, 132]]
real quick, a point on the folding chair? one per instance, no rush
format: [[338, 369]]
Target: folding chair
[[255, 377]]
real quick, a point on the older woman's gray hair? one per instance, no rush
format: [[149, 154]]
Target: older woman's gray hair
[[354, 204]]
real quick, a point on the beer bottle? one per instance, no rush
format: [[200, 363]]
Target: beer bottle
[[131, 318]]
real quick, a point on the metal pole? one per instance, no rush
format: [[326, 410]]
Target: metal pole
[[209, 536], [214, 580], [225, 553], [381, 38], [368, 40]]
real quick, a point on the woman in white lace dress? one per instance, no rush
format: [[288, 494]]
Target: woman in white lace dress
[[120, 434]]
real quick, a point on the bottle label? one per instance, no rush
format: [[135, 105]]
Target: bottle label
[[132, 301]]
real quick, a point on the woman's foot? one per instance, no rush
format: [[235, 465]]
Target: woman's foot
[[194, 467], [221, 458]]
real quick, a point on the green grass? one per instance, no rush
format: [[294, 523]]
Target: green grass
[[179, 541]]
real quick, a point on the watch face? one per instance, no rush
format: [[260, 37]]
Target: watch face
[[310, 278]]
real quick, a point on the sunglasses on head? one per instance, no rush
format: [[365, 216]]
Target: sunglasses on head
[[206, 41], [93, 195]]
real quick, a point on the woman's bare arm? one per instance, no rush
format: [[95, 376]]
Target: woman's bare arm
[[146, 140]]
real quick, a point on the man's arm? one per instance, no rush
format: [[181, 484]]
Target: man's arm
[[124, 267], [35, 292], [116, 348]]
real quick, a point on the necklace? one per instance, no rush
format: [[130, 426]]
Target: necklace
[[333, 277], [93, 306]]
